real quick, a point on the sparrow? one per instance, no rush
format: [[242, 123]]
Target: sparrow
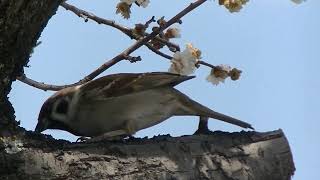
[[122, 104]]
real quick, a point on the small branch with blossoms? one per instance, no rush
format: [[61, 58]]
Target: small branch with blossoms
[[186, 62], [182, 62], [122, 56]]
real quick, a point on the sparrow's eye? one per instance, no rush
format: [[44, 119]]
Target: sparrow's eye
[[62, 107]]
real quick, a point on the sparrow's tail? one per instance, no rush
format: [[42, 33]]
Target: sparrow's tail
[[191, 107]]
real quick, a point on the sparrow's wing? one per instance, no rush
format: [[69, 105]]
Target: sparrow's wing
[[125, 83]]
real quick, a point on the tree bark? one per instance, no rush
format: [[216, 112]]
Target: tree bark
[[21, 22], [25, 155], [219, 156]]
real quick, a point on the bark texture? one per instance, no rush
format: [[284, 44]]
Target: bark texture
[[219, 156], [21, 22]]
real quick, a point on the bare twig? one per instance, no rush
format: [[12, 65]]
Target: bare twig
[[158, 51], [81, 13], [117, 58], [149, 22], [89, 77], [205, 63], [88, 15], [37, 84]]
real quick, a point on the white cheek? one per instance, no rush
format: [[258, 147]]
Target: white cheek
[[73, 103]]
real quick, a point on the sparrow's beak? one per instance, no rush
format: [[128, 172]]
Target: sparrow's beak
[[41, 126]]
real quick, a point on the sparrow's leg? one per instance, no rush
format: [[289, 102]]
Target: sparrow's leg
[[203, 126], [109, 136], [116, 135]]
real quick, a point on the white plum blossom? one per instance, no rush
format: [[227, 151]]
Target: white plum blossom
[[218, 74], [225, 67], [184, 62], [215, 80], [124, 9], [233, 5], [143, 3], [173, 33], [181, 64], [176, 33]]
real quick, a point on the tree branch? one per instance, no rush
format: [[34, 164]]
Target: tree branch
[[117, 58], [219, 156]]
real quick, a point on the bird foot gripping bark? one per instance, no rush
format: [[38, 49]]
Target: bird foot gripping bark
[[82, 139], [109, 136]]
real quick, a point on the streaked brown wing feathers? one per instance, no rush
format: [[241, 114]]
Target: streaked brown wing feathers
[[125, 83]]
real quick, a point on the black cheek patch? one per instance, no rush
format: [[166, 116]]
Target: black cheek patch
[[62, 107]]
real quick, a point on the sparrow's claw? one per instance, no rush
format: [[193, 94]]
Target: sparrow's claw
[[82, 139], [102, 138], [202, 131]]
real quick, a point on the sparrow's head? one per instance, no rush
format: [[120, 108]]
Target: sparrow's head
[[54, 111]]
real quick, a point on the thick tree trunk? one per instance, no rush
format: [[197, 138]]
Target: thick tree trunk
[[219, 156], [21, 22], [24, 155]]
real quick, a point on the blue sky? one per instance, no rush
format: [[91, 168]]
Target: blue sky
[[275, 43]]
